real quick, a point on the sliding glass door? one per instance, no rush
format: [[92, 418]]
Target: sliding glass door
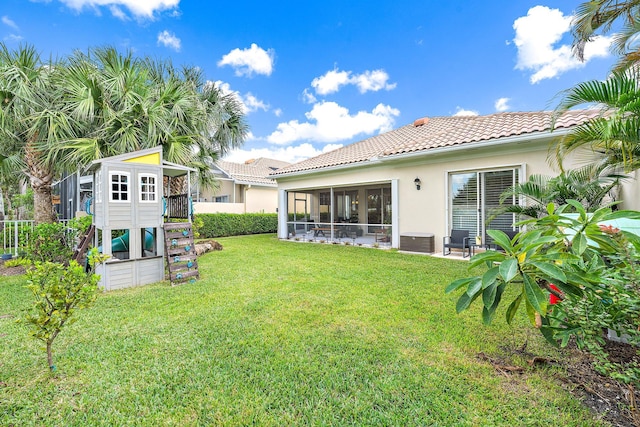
[[475, 198]]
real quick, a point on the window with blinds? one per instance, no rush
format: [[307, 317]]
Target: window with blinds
[[475, 197]]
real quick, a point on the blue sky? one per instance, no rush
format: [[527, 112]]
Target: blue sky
[[314, 76]]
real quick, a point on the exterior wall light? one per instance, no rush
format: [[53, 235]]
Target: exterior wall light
[[418, 183]]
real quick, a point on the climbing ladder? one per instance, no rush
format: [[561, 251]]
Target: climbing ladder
[[86, 240], [180, 252]]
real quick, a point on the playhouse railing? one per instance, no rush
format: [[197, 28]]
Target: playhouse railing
[[178, 206]]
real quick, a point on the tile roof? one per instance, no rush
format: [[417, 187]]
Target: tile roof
[[436, 132], [253, 172]]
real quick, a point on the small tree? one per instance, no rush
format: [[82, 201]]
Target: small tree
[[58, 292]]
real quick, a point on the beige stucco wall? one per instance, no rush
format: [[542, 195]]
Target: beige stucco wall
[[426, 210], [630, 193], [225, 188], [253, 200], [261, 199]]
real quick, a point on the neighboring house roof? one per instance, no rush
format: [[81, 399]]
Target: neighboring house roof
[[254, 172], [439, 132]]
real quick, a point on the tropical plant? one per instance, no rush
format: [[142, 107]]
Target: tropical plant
[[597, 17], [587, 185], [614, 135], [560, 249], [31, 119], [121, 104], [64, 114]]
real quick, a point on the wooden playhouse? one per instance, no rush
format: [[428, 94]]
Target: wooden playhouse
[[131, 207]]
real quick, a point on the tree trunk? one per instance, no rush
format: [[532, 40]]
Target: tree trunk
[[40, 178], [50, 355]]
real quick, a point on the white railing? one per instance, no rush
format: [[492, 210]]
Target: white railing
[[14, 235]]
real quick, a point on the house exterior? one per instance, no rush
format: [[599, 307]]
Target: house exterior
[[242, 188], [424, 179]]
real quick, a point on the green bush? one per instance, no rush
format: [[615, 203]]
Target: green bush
[[51, 242], [224, 224]]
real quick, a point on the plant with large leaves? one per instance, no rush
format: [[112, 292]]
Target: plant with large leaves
[[31, 119], [589, 185], [613, 136], [121, 104], [598, 17], [559, 249]]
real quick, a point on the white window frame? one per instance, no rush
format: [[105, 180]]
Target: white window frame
[[128, 192], [141, 190]]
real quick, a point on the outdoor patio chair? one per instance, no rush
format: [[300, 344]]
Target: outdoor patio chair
[[459, 239]]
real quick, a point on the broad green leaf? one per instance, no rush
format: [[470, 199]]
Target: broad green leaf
[[552, 271], [489, 277], [578, 244], [549, 334], [456, 284], [490, 256], [513, 308], [501, 239], [534, 294], [488, 314], [508, 269], [474, 287], [624, 214], [463, 303], [489, 295]]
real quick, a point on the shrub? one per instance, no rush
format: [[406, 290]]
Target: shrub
[[57, 292], [224, 224], [51, 242]]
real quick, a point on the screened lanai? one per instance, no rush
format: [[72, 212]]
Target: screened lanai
[[362, 214]]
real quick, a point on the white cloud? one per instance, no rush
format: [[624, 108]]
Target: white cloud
[[536, 39], [277, 112], [139, 8], [249, 102], [118, 13], [330, 82], [502, 104], [249, 61], [461, 112], [308, 98], [9, 23], [330, 122], [254, 104], [169, 40], [13, 38], [333, 80], [291, 154]]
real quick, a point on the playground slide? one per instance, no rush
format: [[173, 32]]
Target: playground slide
[[121, 243]]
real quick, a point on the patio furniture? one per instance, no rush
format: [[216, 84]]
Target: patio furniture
[[458, 239]]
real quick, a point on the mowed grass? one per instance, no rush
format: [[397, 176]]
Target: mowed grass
[[280, 333]]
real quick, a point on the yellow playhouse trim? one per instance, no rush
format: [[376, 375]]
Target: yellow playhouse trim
[[148, 159]]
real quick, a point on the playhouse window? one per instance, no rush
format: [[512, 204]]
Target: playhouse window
[[119, 186], [148, 188], [149, 241]]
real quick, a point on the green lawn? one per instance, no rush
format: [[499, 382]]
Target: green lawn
[[280, 333]]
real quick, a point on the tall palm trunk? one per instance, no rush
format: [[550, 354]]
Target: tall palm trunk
[[41, 180]]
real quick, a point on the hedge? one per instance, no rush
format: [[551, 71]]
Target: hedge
[[225, 224]]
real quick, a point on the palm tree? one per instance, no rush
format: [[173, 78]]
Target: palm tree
[[31, 120], [122, 104], [588, 185], [64, 114], [613, 136], [597, 17]]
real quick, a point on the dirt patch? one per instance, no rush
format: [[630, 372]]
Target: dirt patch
[[608, 399], [11, 271]]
